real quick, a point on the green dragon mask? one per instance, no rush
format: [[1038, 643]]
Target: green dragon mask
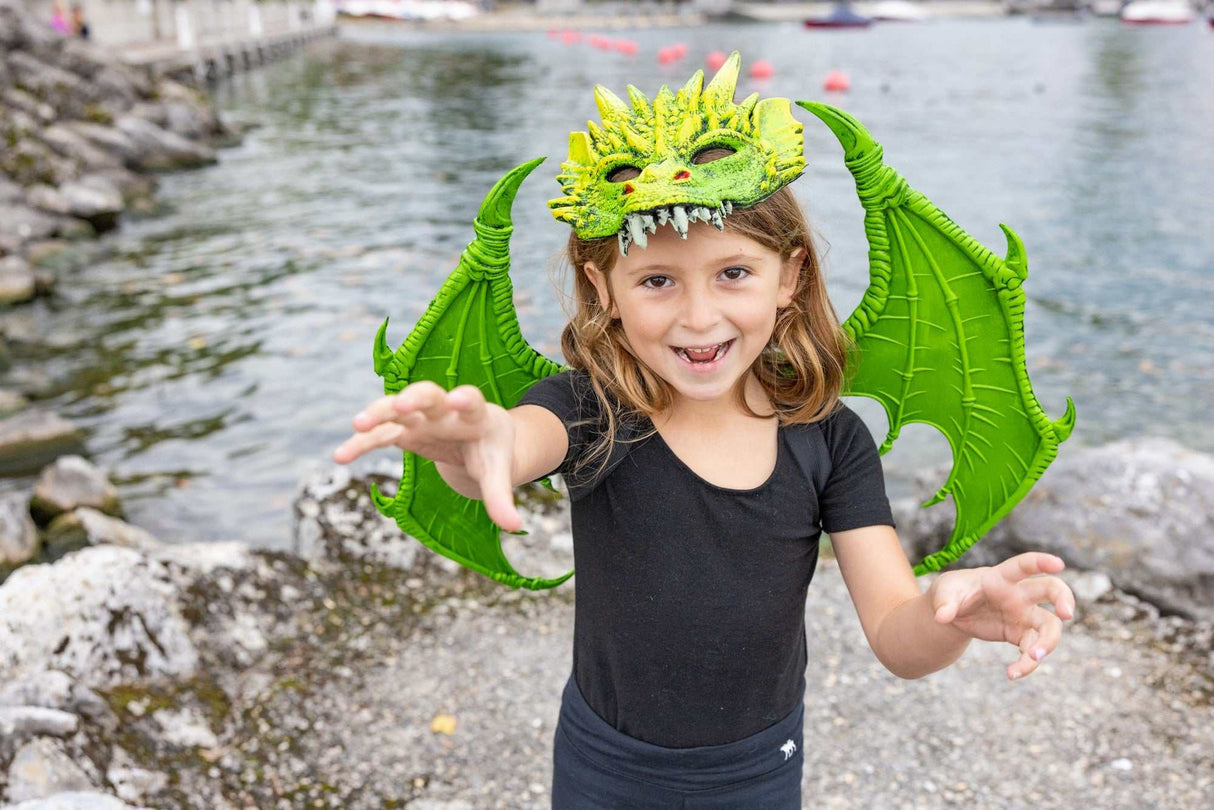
[[687, 156], [939, 332]]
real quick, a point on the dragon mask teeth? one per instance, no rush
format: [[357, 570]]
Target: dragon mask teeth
[[695, 150], [637, 226]]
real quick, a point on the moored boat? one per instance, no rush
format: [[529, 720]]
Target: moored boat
[[841, 16], [1158, 12], [898, 11]]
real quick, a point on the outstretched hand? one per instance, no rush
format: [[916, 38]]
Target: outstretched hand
[[471, 441], [1003, 603]]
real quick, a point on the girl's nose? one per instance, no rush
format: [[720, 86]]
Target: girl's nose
[[699, 313]]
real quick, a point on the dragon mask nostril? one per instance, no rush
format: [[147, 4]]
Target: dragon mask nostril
[[683, 175], [628, 189]]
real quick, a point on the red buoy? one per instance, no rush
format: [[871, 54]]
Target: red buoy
[[569, 37], [666, 56], [836, 82], [761, 69], [715, 59], [626, 46]]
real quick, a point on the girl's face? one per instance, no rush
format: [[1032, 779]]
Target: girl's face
[[698, 311]]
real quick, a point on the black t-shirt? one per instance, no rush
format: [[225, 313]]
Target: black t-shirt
[[689, 625]]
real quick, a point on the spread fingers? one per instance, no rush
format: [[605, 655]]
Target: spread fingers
[[1036, 643], [365, 441]]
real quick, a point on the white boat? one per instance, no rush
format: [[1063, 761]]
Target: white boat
[[408, 9], [1158, 12], [898, 11]]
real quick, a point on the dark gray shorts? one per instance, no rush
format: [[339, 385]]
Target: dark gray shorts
[[596, 767]]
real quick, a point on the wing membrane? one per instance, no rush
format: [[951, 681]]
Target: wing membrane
[[939, 335], [468, 335]]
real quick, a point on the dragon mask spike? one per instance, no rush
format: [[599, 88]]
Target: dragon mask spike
[[723, 85], [691, 90], [611, 107], [640, 103], [757, 146]]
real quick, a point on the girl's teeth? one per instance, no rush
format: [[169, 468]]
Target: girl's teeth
[[706, 355]]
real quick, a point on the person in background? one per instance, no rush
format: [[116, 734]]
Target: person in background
[[79, 25], [59, 19]]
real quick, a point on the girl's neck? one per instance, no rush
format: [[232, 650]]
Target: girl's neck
[[717, 414]]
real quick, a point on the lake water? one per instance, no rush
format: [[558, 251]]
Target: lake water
[[219, 355]]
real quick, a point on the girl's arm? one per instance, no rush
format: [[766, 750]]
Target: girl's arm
[[916, 633], [898, 624], [480, 449]]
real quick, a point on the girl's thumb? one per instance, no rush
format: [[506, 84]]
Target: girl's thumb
[[499, 501]]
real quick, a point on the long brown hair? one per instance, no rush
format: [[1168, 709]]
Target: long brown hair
[[801, 371]]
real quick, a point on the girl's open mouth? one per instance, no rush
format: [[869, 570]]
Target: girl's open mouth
[[703, 358]]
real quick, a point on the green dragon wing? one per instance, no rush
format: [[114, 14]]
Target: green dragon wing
[[940, 340], [468, 335]]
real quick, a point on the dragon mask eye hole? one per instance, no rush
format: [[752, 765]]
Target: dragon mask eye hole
[[710, 153], [619, 175]]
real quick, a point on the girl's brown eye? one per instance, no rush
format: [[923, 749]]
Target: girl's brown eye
[[623, 173], [711, 153]]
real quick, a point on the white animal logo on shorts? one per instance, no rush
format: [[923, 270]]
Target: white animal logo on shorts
[[789, 748]]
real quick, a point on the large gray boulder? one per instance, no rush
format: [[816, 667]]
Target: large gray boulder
[[71, 144], [108, 139], [1140, 510], [103, 615], [93, 198], [162, 150]]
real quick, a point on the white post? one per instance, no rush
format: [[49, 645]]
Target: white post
[[325, 13], [185, 26]]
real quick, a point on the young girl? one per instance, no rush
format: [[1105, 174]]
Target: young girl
[[705, 448]]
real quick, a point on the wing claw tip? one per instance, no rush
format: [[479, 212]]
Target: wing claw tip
[[1064, 424]]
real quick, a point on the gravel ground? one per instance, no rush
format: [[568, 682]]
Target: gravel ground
[[1118, 717]]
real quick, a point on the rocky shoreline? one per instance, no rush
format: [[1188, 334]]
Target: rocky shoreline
[[365, 671], [82, 140], [84, 136]]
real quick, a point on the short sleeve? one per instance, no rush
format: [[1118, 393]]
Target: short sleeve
[[854, 494], [569, 396]]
